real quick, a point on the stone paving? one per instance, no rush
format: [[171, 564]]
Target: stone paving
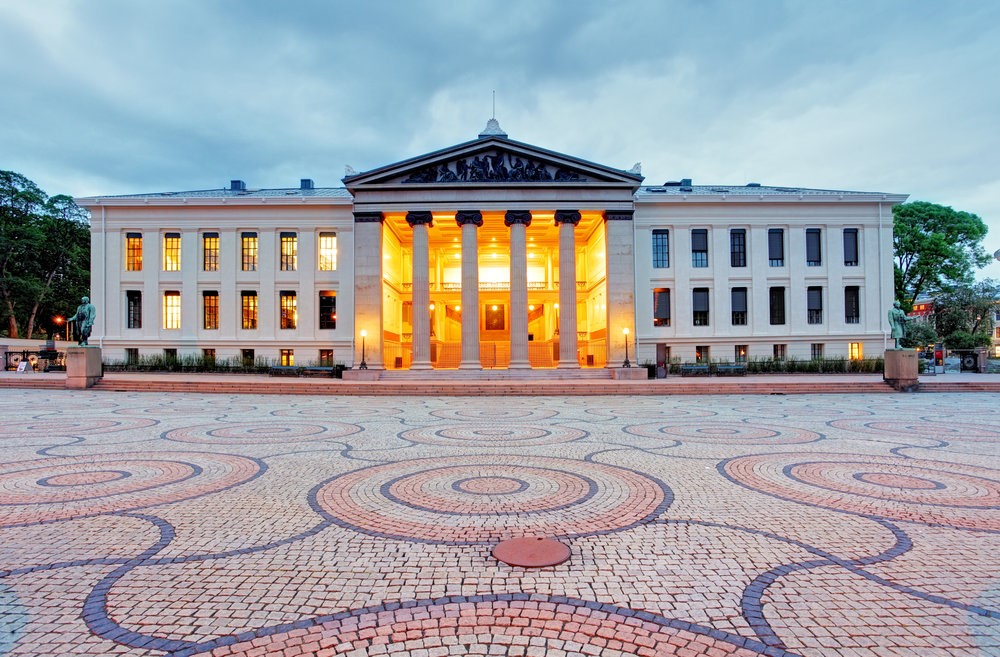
[[182, 524]]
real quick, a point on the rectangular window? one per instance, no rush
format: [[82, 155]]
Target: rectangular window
[[248, 248], [289, 314], [814, 252], [210, 251], [852, 304], [289, 251], [776, 296], [327, 309], [850, 247], [856, 351], [816, 350], [131, 355], [170, 355], [738, 247], [699, 247], [133, 300], [248, 303], [740, 353], [247, 356], [661, 249], [702, 354], [699, 306], [171, 310], [814, 301], [210, 309], [172, 252], [776, 247], [780, 351], [738, 300], [661, 307], [208, 355], [288, 357], [327, 251], [133, 251], [326, 357]]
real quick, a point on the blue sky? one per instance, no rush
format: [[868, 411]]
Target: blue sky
[[125, 96]]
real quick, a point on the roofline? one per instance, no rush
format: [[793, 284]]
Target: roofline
[[180, 200], [788, 197]]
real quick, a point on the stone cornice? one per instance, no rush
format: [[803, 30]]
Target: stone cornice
[[619, 215], [368, 217]]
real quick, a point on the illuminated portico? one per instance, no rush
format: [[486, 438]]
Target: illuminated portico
[[482, 263]]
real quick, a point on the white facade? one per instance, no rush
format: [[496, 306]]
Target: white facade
[[426, 227]]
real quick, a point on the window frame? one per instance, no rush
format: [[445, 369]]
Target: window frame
[[661, 248], [210, 310], [288, 249], [249, 310], [738, 247], [814, 247], [171, 310], [856, 303], [288, 310], [326, 323], [814, 304], [210, 251], [738, 317], [133, 309], [133, 251], [777, 308], [249, 251], [856, 247], [700, 317], [776, 246], [699, 256], [661, 306], [171, 252]]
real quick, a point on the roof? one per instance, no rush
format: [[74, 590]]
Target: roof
[[290, 193], [650, 192]]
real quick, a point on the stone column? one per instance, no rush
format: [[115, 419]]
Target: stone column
[[567, 221], [620, 262], [518, 222], [419, 222], [470, 220], [368, 288]]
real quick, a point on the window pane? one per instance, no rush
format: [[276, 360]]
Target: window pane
[[661, 249], [134, 302], [289, 314], [210, 300], [776, 247], [172, 252], [327, 251], [738, 247], [813, 252], [327, 310], [661, 307], [699, 305], [171, 310], [133, 252], [289, 252], [249, 309], [852, 304], [248, 245], [851, 247], [777, 302], [814, 304], [739, 306], [210, 249]]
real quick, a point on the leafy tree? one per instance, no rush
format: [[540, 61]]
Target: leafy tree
[[964, 316], [936, 248], [44, 254], [919, 333]]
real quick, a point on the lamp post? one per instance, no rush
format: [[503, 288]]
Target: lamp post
[[626, 363], [59, 319], [363, 365]]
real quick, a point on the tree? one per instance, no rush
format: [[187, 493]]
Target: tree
[[44, 254], [964, 315], [936, 248], [919, 333]]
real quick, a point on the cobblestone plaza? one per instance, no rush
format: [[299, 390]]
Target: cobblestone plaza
[[188, 524]]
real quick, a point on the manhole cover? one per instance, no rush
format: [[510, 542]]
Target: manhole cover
[[531, 552]]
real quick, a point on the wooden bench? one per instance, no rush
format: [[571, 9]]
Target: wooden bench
[[694, 370], [737, 369], [285, 370]]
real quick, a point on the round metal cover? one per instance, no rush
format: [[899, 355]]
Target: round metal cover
[[531, 552]]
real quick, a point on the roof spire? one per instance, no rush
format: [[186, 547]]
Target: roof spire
[[493, 128]]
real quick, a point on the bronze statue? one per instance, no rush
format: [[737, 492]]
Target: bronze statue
[[897, 323], [84, 318]]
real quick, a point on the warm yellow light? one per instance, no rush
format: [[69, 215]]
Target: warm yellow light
[[625, 330], [364, 333], [432, 306], [493, 239], [457, 308], [494, 256], [557, 306], [531, 307], [494, 307], [387, 257]]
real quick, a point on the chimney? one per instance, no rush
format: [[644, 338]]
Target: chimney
[[306, 183], [237, 186]]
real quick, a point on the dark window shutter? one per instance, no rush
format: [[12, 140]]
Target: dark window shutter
[[812, 245], [699, 240], [775, 244], [815, 299], [739, 300], [851, 246], [699, 299], [661, 304]]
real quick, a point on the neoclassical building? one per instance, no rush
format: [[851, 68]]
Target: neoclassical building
[[493, 254]]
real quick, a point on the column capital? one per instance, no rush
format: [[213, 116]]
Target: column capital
[[368, 217], [618, 215], [415, 218], [517, 217], [567, 217], [463, 217]]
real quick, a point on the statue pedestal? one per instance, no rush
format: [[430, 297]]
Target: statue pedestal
[[901, 369], [83, 367]]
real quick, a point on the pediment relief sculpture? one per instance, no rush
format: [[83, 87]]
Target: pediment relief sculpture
[[493, 167]]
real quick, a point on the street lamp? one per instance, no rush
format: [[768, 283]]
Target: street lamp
[[626, 363], [59, 319], [363, 365]]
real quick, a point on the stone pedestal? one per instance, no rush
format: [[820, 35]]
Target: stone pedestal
[[901, 369], [83, 367], [630, 373], [361, 375]]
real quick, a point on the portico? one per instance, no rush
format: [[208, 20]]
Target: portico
[[492, 254]]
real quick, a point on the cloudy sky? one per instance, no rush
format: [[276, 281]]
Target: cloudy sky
[[122, 96]]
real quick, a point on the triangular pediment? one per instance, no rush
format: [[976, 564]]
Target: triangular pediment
[[493, 161]]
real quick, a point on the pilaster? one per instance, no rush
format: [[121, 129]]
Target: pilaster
[[567, 221], [518, 222], [470, 221], [368, 288]]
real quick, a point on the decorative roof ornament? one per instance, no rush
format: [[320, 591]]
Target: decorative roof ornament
[[349, 170], [636, 169], [492, 129]]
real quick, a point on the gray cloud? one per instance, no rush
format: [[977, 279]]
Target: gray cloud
[[117, 96]]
